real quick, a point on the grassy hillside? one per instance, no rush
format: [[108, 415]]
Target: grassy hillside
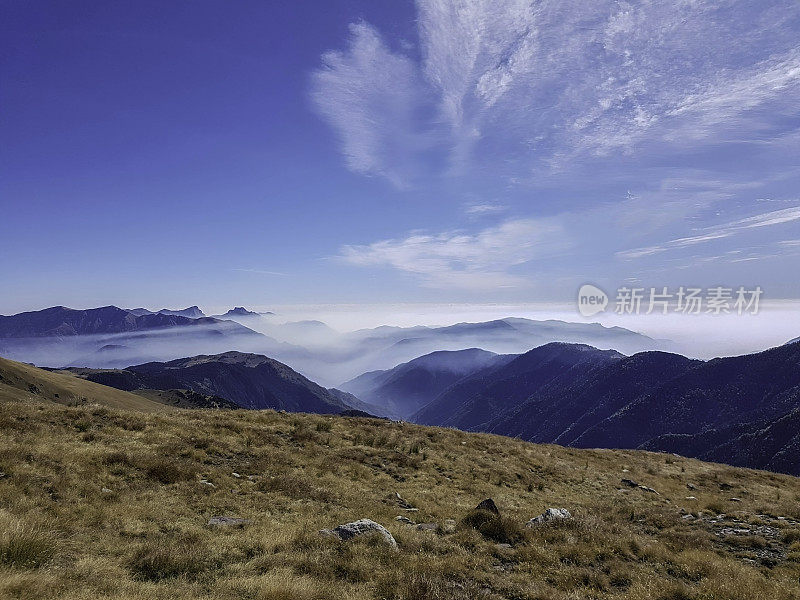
[[19, 381], [97, 502]]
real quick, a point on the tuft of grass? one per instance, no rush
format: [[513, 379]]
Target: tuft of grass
[[156, 560], [27, 547], [494, 527], [167, 470]]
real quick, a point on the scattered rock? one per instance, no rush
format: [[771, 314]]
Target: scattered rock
[[449, 525], [503, 546], [404, 520], [3, 474], [208, 483], [691, 498], [630, 483], [236, 475], [427, 527], [105, 490], [489, 505], [691, 486], [648, 489], [227, 522], [551, 514], [735, 499], [688, 517], [403, 503], [348, 531]]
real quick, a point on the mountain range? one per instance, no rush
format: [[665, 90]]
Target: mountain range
[[742, 410], [112, 337]]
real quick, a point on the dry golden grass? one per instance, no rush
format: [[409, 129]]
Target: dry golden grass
[[146, 536], [20, 381]]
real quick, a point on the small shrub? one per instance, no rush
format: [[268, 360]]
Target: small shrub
[[324, 426]]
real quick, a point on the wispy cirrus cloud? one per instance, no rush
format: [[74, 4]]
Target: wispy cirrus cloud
[[544, 83], [776, 217], [480, 209], [370, 94], [476, 261]]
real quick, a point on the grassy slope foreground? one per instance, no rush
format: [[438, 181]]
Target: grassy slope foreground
[[20, 381], [97, 502]]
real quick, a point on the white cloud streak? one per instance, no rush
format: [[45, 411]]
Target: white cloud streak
[[776, 217], [369, 94], [479, 261]]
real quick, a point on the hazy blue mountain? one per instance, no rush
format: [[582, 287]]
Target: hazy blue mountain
[[112, 336], [405, 388], [60, 321]]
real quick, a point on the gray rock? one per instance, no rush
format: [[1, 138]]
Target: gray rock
[[428, 526], [227, 522], [648, 489], [629, 483], [551, 514], [404, 520], [361, 527]]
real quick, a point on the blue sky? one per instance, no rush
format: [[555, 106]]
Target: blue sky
[[260, 153]]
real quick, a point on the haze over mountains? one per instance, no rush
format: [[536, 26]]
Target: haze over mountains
[[112, 337], [590, 388]]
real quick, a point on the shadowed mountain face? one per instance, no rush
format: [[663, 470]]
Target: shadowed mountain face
[[407, 387], [249, 380], [740, 410], [473, 401]]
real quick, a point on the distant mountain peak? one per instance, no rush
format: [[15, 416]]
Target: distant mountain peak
[[193, 312], [240, 311]]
